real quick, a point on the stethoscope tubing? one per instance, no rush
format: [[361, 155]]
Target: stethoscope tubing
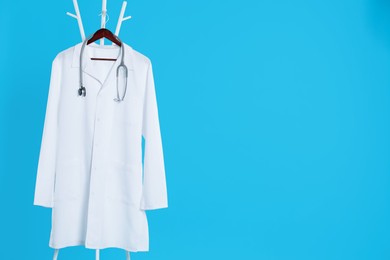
[[82, 90]]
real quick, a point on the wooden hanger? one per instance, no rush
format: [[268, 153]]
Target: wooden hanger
[[103, 32]]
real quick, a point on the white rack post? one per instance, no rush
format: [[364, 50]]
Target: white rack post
[[78, 18], [103, 22]]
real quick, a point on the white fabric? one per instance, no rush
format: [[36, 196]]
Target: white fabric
[[90, 169]]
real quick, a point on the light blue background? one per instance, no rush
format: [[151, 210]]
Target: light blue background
[[275, 119]]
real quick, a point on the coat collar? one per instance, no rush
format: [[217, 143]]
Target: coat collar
[[88, 67]]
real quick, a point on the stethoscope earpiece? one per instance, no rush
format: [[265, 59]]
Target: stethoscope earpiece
[[82, 91]]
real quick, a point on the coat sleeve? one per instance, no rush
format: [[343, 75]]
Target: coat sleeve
[[154, 192], [44, 186]]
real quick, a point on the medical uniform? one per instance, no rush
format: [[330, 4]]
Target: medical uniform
[[91, 170]]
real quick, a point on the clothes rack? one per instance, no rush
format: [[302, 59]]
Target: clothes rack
[[121, 18]]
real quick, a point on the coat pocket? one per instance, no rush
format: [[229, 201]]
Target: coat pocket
[[124, 183], [68, 180]]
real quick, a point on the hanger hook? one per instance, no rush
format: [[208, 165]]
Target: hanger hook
[[107, 16]]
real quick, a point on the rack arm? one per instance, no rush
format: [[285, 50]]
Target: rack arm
[[121, 18], [78, 17]]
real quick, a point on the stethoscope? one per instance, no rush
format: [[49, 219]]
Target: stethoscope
[[82, 91]]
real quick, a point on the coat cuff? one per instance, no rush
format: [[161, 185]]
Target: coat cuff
[[43, 203], [152, 206]]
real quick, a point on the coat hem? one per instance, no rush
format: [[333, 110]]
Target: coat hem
[[104, 246]]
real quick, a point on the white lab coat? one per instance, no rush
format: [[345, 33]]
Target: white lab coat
[[91, 171]]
